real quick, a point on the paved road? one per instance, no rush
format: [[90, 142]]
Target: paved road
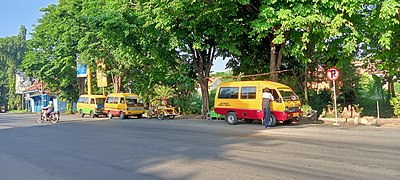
[[99, 148]]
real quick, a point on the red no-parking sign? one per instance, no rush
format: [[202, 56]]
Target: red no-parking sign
[[333, 74]]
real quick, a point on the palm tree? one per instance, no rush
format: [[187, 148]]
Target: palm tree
[[163, 93]]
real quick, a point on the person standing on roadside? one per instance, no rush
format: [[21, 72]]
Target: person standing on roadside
[[266, 99]]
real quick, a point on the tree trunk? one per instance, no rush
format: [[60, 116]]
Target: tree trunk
[[272, 61], [117, 81], [81, 85], [205, 97], [203, 62], [276, 56], [305, 85]]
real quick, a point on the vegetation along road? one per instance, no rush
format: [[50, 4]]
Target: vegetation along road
[[99, 148]]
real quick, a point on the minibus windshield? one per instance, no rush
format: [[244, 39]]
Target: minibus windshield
[[100, 100], [288, 95], [133, 101]]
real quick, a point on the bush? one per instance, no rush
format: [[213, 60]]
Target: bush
[[319, 100], [212, 97], [190, 103], [306, 109], [395, 102]]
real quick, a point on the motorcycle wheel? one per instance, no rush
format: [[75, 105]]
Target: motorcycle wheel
[[40, 119], [160, 116], [55, 118]]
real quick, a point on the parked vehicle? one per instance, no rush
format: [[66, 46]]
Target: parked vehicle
[[243, 100], [162, 112], [91, 104], [123, 105], [54, 117]]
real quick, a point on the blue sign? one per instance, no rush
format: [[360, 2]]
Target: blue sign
[[81, 70]]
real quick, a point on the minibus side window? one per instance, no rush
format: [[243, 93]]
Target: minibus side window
[[275, 94], [87, 100], [109, 100], [92, 101], [228, 93], [81, 100], [115, 101], [248, 93], [122, 101]]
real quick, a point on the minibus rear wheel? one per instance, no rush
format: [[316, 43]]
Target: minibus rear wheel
[[272, 120], [110, 116], [122, 115], [231, 118]]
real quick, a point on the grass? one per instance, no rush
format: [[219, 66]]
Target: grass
[[17, 111]]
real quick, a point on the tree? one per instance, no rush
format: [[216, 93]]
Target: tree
[[163, 93], [12, 51], [199, 30], [382, 46], [53, 49], [289, 24]]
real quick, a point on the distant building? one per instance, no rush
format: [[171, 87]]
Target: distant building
[[38, 97]]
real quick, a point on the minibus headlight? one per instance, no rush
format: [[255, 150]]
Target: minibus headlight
[[287, 109]]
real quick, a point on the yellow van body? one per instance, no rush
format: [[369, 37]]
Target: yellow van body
[[91, 104], [243, 100], [123, 105]]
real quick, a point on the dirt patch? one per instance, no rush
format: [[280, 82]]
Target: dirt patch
[[308, 120]]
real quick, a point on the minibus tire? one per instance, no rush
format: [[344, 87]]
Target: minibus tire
[[81, 113], [92, 114], [121, 115], [272, 121], [231, 118]]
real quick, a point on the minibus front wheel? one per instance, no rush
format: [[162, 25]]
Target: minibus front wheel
[[231, 118]]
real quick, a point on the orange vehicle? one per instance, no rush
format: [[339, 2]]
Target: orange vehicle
[[123, 105], [243, 100]]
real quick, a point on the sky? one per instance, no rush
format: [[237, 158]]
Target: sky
[[15, 13]]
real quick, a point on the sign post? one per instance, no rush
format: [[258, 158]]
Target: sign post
[[333, 74]]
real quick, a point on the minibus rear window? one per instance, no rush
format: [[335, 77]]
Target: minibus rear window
[[228, 93]]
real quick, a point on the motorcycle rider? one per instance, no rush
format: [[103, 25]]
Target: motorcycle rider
[[49, 109]]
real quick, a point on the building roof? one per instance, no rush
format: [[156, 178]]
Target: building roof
[[37, 86]]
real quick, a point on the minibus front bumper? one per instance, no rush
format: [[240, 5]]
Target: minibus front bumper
[[283, 116]]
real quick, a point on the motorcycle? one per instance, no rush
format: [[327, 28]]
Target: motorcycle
[[54, 117], [162, 112]]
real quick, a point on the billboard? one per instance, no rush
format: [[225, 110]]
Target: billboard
[[21, 82], [101, 75]]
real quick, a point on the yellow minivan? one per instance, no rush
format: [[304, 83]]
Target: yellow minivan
[[243, 100], [90, 104], [123, 105]]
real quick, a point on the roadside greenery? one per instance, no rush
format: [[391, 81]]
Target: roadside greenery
[[149, 44]]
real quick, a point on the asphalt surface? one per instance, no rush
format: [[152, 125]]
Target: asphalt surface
[[85, 148]]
